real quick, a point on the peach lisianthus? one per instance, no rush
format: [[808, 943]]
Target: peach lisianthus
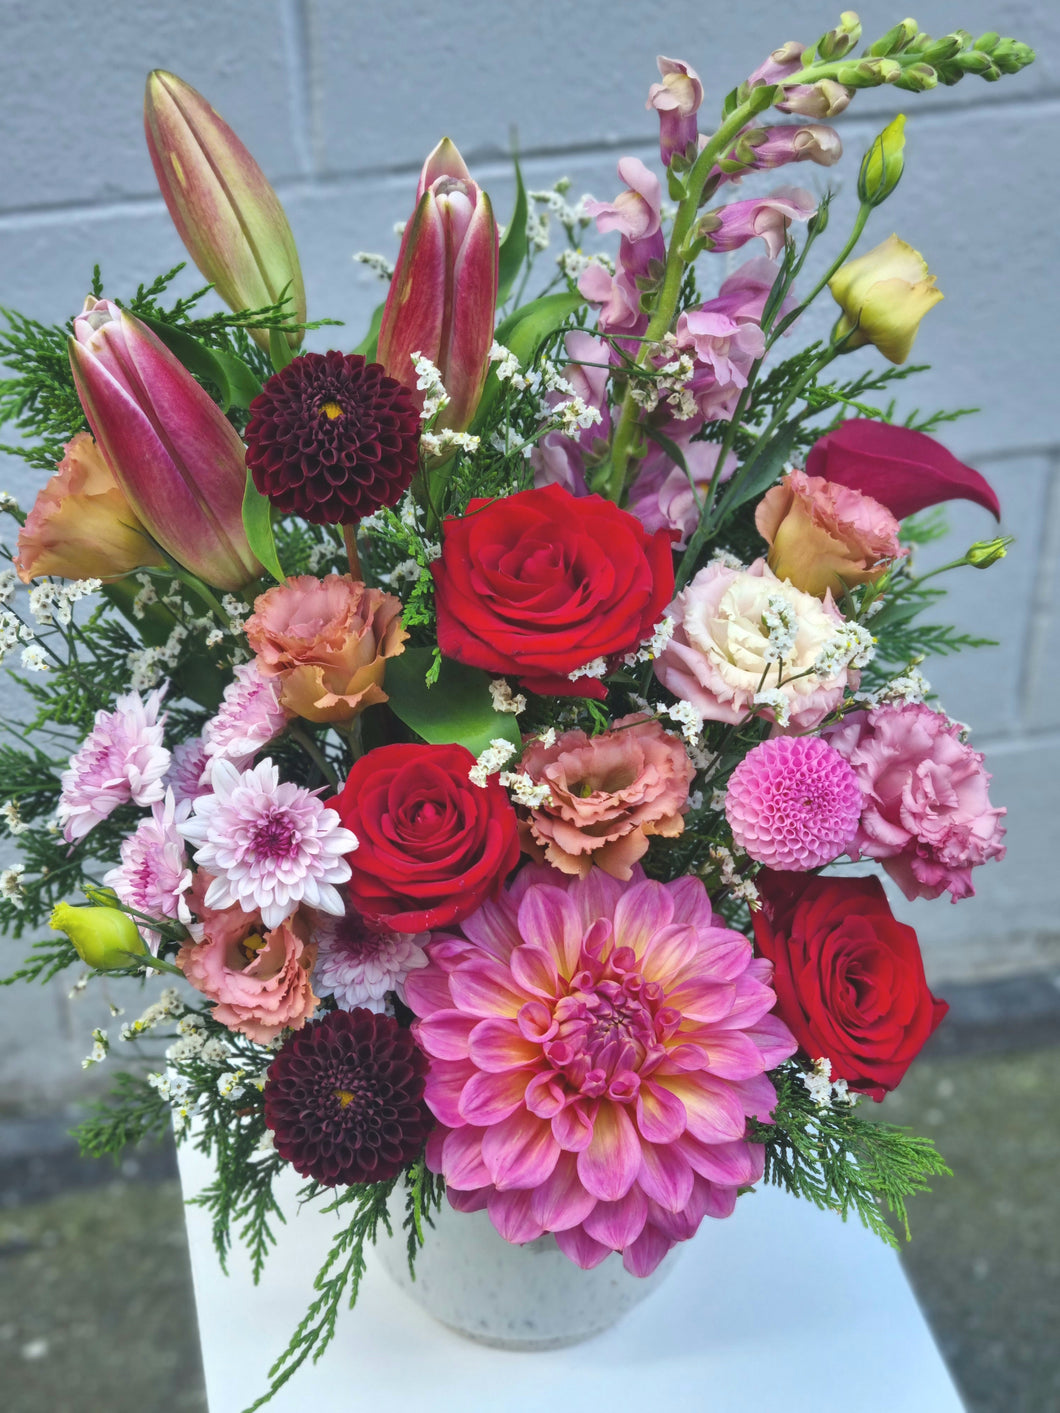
[[824, 536], [81, 526], [883, 296], [608, 793], [328, 639]]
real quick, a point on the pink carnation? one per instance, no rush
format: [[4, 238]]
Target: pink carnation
[[926, 812], [121, 759], [608, 794], [596, 1050], [154, 875], [793, 803], [248, 718], [261, 980]]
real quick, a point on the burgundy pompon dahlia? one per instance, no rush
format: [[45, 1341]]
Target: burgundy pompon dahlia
[[331, 438], [344, 1098]]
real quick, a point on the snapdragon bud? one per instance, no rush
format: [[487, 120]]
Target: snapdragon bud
[[917, 78], [882, 165], [984, 553], [895, 40], [842, 39]]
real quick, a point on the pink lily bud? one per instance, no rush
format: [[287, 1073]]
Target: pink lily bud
[[769, 217], [443, 294], [176, 457], [676, 100], [224, 209]]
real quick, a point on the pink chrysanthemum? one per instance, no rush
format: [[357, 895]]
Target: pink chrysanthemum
[[596, 1049], [249, 717], [121, 759], [269, 846], [186, 769], [793, 803], [153, 875], [358, 963]]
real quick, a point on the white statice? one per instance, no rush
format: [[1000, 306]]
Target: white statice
[[11, 889], [493, 759], [852, 646], [168, 1007], [9, 585], [823, 1089], [525, 789], [717, 799], [504, 700], [34, 658], [236, 609], [537, 229], [547, 737], [732, 879], [777, 701], [187, 1047], [11, 815], [52, 602], [99, 1052], [379, 265], [685, 715], [726, 559], [911, 687], [429, 382], [573, 263], [8, 504], [596, 668], [507, 366], [146, 595], [575, 416], [215, 1052], [651, 647], [231, 1084], [437, 443], [781, 624]]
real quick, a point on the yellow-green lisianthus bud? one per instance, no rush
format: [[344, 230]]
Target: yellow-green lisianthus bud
[[883, 296], [881, 167], [984, 553], [103, 937]]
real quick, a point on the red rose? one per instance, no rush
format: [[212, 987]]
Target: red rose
[[848, 975], [431, 845], [904, 470], [537, 584]]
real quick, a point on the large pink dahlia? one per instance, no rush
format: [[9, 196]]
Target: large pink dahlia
[[596, 1049]]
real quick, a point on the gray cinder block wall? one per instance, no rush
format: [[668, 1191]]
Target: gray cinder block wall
[[340, 100]]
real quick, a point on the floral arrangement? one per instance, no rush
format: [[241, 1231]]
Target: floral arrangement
[[478, 723]]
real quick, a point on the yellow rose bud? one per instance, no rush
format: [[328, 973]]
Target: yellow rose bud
[[883, 296], [102, 937], [882, 166]]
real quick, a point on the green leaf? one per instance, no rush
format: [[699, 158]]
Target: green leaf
[[515, 243], [523, 332], [457, 709], [369, 345], [280, 351], [257, 522], [760, 470], [236, 383]]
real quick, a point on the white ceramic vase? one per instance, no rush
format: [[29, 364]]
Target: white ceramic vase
[[512, 1297]]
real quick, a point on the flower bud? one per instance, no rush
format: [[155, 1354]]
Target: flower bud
[[842, 39], [824, 99], [1009, 55], [103, 937], [676, 100], [443, 293], [224, 209], [895, 40], [917, 78], [883, 296], [881, 167], [984, 553]]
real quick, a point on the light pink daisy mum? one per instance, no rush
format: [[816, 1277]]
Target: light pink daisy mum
[[270, 846], [793, 803], [596, 1049], [153, 875], [121, 759], [247, 720], [185, 774], [359, 963]]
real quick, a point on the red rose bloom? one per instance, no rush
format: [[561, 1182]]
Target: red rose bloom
[[543, 582], [848, 975], [431, 845]]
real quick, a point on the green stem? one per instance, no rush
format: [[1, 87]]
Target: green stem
[[864, 212], [313, 751]]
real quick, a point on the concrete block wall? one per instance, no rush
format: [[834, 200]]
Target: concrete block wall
[[341, 99]]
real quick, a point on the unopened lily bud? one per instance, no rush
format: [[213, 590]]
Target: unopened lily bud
[[895, 40], [984, 553], [103, 937], [842, 39], [881, 167]]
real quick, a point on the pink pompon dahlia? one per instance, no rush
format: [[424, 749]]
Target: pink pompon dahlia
[[247, 720], [270, 846], [153, 875], [596, 1050], [121, 759], [793, 803]]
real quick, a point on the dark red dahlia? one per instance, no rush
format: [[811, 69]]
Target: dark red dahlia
[[344, 1098], [332, 438]]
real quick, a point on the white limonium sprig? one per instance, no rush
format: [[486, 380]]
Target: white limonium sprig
[[11, 814], [776, 701], [852, 646], [493, 759], [379, 265], [781, 625], [11, 889], [596, 668], [429, 382], [9, 585], [651, 647], [168, 1007], [688, 719], [525, 789], [731, 877], [823, 1089], [51, 602], [507, 367], [504, 700], [435, 443]]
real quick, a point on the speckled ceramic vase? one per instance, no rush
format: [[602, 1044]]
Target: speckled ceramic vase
[[512, 1297]]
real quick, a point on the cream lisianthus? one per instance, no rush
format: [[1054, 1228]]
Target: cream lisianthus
[[884, 295]]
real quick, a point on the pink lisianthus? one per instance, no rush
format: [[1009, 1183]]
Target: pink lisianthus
[[764, 217], [260, 979], [153, 875], [662, 497], [926, 812], [609, 793], [121, 759], [247, 720], [596, 1051], [729, 637], [822, 535]]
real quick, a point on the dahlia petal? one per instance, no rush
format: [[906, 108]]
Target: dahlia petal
[[512, 1215], [733, 1055], [548, 918], [757, 1095], [462, 1164], [488, 1098], [715, 1113], [661, 1116], [445, 1034], [643, 910], [730, 1164], [519, 1151], [774, 1040], [535, 970], [445, 1084], [578, 1246], [665, 1175], [484, 988], [496, 1044], [608, 1166], [572, 1128], [546, 1095], [494, 927], [644, 1255], [669, 951], [473, 1201], [561, 1202], [617, 1224]]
